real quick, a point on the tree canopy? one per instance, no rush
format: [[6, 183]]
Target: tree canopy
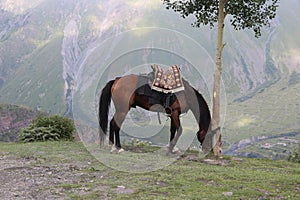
[[245, 14]]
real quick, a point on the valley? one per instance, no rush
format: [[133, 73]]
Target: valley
[[59, 62]]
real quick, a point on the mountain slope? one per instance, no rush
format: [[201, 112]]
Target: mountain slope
[[13, 118], [55, 52], [82, 25]]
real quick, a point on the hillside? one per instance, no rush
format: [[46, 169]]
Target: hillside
[[37, 50], [13, 118], [56, 55], [65, 170]]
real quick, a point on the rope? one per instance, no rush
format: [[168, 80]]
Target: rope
[[158, 116]]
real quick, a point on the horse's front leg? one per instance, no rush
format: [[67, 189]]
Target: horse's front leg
[[175, 128]]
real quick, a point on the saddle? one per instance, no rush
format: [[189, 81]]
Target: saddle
[[167, 81], [159, 86]]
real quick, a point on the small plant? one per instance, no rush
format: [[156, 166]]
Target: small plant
[[139, 146], [139, 143], [48, 128], [295, 157]]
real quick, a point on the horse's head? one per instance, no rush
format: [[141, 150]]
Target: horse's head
[[201, 136], [205, 140]]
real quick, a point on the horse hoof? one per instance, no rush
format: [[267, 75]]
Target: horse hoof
[[175, 150], [113, 150], [121, 151]]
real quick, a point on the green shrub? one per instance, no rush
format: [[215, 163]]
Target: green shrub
[[295, 157], [48, 128], [34, 134]]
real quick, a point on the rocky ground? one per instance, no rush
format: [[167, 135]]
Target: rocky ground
[[23, 178], [29, 178], [66, 170]]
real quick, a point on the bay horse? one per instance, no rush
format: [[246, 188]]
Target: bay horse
[[123, 92]]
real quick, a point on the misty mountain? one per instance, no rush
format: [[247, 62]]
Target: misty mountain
[[54, 50]]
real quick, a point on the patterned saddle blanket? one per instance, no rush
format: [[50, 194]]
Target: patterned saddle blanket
[[167, 81]]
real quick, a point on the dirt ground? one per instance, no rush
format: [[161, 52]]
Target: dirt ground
[[24, 179]]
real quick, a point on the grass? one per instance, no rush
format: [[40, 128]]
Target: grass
[[86, 178]]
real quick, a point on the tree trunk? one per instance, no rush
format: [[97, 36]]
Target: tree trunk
[[217, 142]]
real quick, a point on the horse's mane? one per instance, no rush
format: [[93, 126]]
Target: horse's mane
[[205, 117], [202, 113]]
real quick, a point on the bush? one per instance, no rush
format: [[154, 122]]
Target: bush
[[295, 157], [48, 128]]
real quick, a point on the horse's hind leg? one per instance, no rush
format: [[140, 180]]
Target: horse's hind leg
[[112, 128], [116, 124]]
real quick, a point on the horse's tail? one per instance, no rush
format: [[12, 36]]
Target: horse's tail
[[104, 104]]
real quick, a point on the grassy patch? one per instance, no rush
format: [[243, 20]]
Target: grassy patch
[[269, 113], [73, 173]]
